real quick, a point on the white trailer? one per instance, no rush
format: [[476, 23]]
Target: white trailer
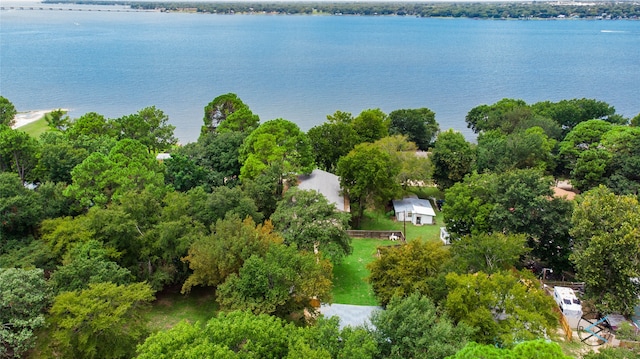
[[567, 301]]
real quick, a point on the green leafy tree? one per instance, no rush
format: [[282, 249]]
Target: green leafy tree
[[23, 301], [183, 173], [367, 177], [348, 342], [85, 264], [281, 282], [149, 126], [488, 253], [19, 152], [584, 136], [218, 154], [635, 122], [7, 112], [128, 167], [532, 349], [90, 125], [419, 125], [452, 157], [504, 307], [330, 141], [413, 328], [267, 189], [307, 219], [605, 255], [505, 115], [103, 321], [623, 143], [213, 258], [371, 125], [515, 202], [20, 208], [569, 113], [276, 142], [228, 113], [58, 157], [340, 117], [414, 168], [57, 120], [227, 335], [407, 269]]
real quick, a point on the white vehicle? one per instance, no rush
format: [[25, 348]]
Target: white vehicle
[[567, 301]]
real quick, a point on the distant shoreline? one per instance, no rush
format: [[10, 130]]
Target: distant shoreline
[[27, 117]]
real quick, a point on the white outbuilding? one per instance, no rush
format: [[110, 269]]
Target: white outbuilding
[[414, 210]]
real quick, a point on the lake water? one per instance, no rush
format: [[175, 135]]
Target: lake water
[[303, 68]]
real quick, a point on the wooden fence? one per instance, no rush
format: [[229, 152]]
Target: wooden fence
[[382, 235]]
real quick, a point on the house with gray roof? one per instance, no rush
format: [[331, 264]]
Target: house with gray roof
[[327, 184]]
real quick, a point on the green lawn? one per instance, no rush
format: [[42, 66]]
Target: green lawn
[[381, 222], [170, 308], [349, 277], [36, 128]]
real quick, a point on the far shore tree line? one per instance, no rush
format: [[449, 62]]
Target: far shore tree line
[[92, 226], [473, 10]]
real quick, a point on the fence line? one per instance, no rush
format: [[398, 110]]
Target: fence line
[[382, 235]]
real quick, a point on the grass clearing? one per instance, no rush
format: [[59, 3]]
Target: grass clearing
[[350, 285], [171, 307], [36, 128], [380, 221], [349, 278]]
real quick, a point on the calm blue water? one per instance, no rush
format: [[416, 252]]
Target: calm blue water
[[302, 68]]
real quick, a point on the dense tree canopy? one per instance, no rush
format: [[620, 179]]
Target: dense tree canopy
[[7, 112], [606, 242], [504, 307], [228, 113], [306, 219], [453, 158], [103, 321], [23, 301], [407, 269], [330, 141], [419, 125], [367, 176], [149, 126], [276, 142], [412, 328]]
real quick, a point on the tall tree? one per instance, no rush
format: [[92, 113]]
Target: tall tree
[[371, 125], [605, 254], [150, 126], [276, 142], [538, 349], [103, 321], [569, 113], [19, 152], [7, 112], [85, 264], [233, 335], [419, 125], [488, 253], [228, 113], [505, 115], [307, 219], [20, 208], [367, 176], [23, 301], [410, 268], [453, 158], [412, 328], [213, 258], [504, 307], [281, 282], [128, 167], [90, 125], [330, 141], [515, 202]]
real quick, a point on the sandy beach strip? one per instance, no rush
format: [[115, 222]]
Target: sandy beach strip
[[25, 118]]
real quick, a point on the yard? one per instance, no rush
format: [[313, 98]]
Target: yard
[[349, 278]]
